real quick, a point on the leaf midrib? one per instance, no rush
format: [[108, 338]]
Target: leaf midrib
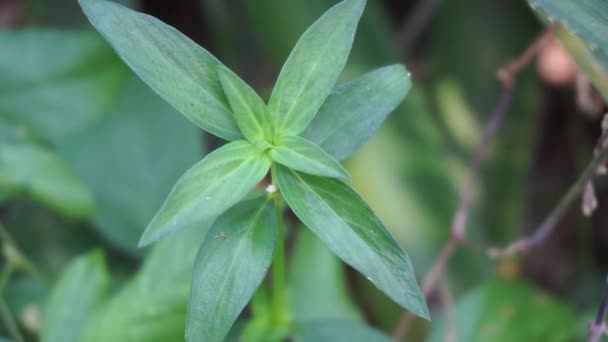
[[247, 231], [312, 70]]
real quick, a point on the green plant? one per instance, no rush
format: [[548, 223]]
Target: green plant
[[298, 137]]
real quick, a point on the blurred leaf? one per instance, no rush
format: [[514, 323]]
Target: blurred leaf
[[354, 111], [130, 160], [37, 171], [250, 112], [152, 306], [317, 282], [229, 267], [209, 188], [175, 67], [503, 310], [286, 20], [584, 24], [77, 292], [350, 229], [114, 133], [313, 67], [55, 83], [302, 155], [336, 331], [464, 89], [60, 13]]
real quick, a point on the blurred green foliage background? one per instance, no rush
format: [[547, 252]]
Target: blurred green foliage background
[[88, 153]]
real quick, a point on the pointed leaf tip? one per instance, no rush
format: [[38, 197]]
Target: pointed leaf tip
[[208, 189], [314, 65]]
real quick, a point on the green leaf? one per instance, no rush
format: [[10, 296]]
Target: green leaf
[[321, 294], [249, 109], [312, 68], [354, 111], [77, 293], [584, 24], [152, 306], [35, 170], [111, 115], [336, 331], [60, 64], [229, 267], [140, 147], [210, 187], [347, 225], [504, 310], [180, 71], [302, 155]]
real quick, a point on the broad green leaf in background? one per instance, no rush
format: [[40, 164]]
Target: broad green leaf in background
[[152, 306], [175, 67], [313, 67], [346, 224], [302, 155], [329, 330], [39, 70], [354, 111], [583, 27], [210, 187], [229, 267], [77, 293], [37, 171], [249, 109], [116, 135], [506, 310], [285, 20], [131, 158], [317, 284]]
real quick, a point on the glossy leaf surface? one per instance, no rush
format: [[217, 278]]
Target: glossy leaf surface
[[314, 65], [230, 265], [249, 109], [354, 111], [209, 188], [302, 155], [346, 224], [175, 67]]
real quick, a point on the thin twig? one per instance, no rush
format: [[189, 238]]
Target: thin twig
[[508, 77], [550, 222], [598, 327], [447, 301], [414, 23]]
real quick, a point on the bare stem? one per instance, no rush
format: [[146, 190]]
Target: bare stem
[[598, 327], [414, 23], [458, 230], [549, 224]]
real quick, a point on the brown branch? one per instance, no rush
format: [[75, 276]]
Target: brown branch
[[414, 23], [447, 301], [549, 224], [598, 327], [508, 77]]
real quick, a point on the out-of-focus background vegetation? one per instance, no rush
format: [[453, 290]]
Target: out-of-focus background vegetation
[[88, 153]]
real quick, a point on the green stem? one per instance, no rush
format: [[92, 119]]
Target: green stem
[[5, 275], [15, 257], [278, 264], [10, 322]]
